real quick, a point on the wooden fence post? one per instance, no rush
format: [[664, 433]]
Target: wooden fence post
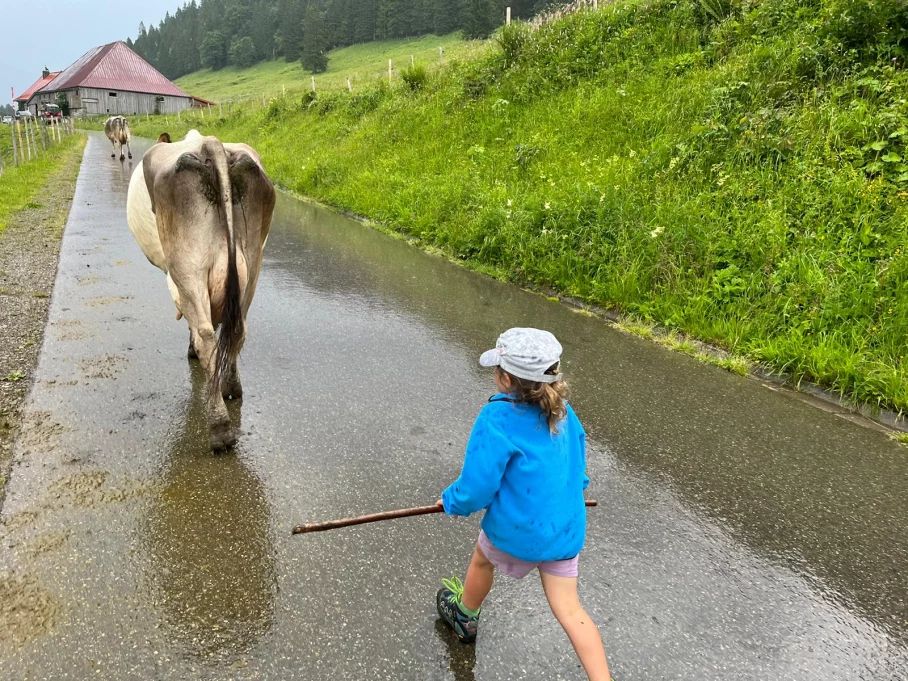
[[312, 78], [390, 69], [412, 61], [30, 137], [12, 130], [45, 137], [349, 85], [22, 146], [507, 16]]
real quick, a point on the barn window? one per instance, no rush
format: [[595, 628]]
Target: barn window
[[112, 94]]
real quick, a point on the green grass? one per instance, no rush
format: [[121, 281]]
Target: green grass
[[737, 175], [21, 187], [363, 64]]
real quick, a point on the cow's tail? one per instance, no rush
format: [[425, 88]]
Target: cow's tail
[[230, 334]]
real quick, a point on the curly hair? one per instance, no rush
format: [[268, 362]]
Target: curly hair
[[549, 397]]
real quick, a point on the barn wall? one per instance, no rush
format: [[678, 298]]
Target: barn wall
[[40, 98], [95, 102]]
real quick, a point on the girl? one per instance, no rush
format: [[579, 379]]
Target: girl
[[525, 465]]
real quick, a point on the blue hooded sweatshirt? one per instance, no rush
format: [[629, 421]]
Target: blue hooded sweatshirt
[[529, 480]]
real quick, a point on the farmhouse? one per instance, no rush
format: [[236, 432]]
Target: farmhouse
[[108, 80], [24, 99]]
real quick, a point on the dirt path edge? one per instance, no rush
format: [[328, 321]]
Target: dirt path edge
[[29, 251]]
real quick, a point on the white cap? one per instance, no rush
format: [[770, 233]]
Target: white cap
[[525, 353]]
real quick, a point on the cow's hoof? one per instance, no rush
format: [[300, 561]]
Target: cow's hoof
[[130, 156], [113, 155], [122, 157], [223, 436], [191, 353], [232, 392]]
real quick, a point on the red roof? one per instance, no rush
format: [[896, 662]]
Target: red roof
[[115, 67], [37, 85]]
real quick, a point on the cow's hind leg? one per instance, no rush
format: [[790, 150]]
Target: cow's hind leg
[[232, 388], [128, 150], [196, 308], [122, 155], [221, 430], [113, 149]]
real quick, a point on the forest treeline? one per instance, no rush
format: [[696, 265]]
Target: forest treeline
[[217, 33]]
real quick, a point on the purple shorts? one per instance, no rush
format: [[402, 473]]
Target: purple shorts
[[514, 567]]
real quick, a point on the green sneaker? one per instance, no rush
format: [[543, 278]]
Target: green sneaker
[[447, 600]]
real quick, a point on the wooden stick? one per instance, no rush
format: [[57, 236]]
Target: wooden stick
[[375, 517]]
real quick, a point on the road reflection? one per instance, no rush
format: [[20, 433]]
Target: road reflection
[[209, 543]]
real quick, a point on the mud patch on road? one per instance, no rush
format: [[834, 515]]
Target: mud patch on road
[[102, 301], [45, 543], [89, 489], [27, 611], [71, 330], [106, 366], [39, 432]]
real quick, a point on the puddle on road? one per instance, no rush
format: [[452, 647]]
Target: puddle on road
[[209, 546]]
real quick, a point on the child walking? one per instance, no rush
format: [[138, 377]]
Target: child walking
[[525, 464]]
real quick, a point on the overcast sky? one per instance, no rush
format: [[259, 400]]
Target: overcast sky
[[56, 33]]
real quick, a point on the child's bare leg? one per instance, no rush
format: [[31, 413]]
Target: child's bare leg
[[561, 593], [478, 582]]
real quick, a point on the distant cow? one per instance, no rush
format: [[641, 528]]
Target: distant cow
[[201, 211], [117, 130]]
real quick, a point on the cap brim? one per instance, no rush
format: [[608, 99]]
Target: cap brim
[[490, 358]]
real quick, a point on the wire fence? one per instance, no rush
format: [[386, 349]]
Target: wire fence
[[29, 139]]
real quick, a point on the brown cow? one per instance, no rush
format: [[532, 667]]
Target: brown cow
[[117, 130], [201, 211]]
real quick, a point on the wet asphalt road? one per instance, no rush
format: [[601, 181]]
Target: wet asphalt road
[[742, 534]]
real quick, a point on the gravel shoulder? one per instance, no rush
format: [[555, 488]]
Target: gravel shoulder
[[29, 249]]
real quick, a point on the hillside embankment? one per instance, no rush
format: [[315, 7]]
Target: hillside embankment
[[730, 170]]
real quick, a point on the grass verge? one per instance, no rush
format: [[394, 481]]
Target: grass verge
[[20, 187]]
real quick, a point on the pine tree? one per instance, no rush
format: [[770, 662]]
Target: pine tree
[[364, 17], [313, 53], [290, 32], [213, 51]]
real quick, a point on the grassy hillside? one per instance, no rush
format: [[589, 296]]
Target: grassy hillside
[[363, 64], [734, 170]]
